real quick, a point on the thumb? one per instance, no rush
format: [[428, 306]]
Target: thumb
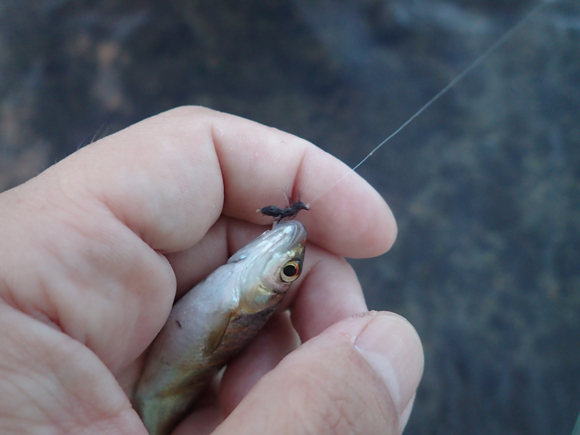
[[357, 377]]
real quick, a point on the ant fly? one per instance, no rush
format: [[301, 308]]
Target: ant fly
[[289, 212]]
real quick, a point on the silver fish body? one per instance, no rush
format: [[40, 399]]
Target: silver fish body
[[213, 321]]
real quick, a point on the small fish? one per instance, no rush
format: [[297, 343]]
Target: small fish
[[215, 320]]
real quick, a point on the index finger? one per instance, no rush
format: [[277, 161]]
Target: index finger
[[260, 164], [170, 176]]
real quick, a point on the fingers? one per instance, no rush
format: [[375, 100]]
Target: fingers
[[50, 383], [258, 163], [74, 266], [359, 376], [73, 238], [169, 177]]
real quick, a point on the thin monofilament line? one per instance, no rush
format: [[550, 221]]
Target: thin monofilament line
[[443, 91]]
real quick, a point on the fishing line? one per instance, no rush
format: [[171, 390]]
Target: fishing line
[[505, 37]]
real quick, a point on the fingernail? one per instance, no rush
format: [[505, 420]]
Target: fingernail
[[393, 349]]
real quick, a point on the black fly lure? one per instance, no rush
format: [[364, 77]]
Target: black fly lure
[[289, 212]]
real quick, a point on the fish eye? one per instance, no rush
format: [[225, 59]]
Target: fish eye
[[290, 271]]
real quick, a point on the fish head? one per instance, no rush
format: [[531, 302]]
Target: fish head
[[270, 264]]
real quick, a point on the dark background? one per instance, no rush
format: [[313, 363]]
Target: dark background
[[485, 184]]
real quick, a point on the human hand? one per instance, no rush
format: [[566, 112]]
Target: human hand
[[94, 248]]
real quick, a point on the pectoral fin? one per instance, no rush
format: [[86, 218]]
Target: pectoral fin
[[215, 338]]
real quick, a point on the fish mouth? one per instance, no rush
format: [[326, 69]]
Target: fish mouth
[[285, 236], [295, 231]]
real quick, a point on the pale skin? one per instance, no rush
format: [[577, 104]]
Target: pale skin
[[94, 248]]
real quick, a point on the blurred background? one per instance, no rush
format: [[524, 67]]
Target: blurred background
[[485, 184]]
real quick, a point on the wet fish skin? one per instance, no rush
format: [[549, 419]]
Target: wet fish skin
[[213, 322]]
